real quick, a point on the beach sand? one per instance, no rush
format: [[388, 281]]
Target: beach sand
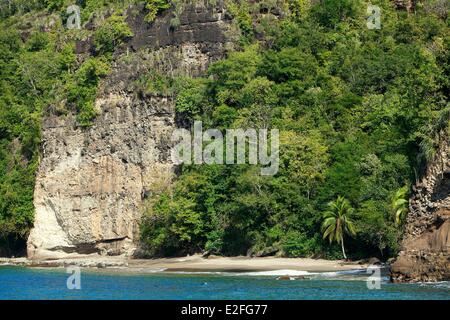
[[194, 263]]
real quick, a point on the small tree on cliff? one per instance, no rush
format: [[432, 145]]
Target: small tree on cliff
[[399, 205], [337, 222]]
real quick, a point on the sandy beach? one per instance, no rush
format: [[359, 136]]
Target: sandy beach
[[194, 263], [243, 264]]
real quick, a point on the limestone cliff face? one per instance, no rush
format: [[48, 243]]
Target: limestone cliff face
[[91, 182], [426, 244]]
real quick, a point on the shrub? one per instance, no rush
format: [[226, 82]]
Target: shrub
[[297, 244], [113, 32], [154, 7], [83, 89]]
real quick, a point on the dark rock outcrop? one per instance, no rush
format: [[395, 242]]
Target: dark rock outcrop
[[426, 244]]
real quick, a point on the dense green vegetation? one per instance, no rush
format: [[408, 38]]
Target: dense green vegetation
[[359, 111], [354, 107]]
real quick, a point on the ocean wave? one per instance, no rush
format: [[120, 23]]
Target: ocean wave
[[144, 270], [293, 273], [272, 273], [280, 273], [439, 284]]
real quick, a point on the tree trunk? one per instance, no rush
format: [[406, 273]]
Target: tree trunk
[[342, 246]]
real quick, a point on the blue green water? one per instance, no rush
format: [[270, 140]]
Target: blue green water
[[25, 283]]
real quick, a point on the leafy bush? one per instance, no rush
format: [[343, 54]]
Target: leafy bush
[[82, 90], [154, 7], [191, 97], [113, 32], [297, 244], [241, 13], [331, 12]]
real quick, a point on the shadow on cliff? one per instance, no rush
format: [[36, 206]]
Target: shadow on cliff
[[13, 246]]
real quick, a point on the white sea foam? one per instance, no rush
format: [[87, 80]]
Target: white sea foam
[[439, 284], [279, 273], [294, 273], [272, 273], [343, 273], [146, 270], [283, 272]]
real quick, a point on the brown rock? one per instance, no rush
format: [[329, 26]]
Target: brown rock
[[426, 242]]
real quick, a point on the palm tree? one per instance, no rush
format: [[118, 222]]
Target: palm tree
[[399, 205], [337, 222]]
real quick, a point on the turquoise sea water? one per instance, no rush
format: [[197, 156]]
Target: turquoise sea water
[[25, 283]]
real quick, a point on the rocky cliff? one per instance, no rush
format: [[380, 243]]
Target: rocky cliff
[[91, 182], [426, 244]]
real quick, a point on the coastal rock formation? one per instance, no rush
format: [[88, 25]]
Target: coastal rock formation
[[426, 244], [91, 181]]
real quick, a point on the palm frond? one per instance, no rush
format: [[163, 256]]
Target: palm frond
[[337, 220]]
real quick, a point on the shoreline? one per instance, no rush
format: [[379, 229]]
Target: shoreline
[[194, 263]]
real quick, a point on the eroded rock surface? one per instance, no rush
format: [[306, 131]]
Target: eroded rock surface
[[91, 182], [426, 245]]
